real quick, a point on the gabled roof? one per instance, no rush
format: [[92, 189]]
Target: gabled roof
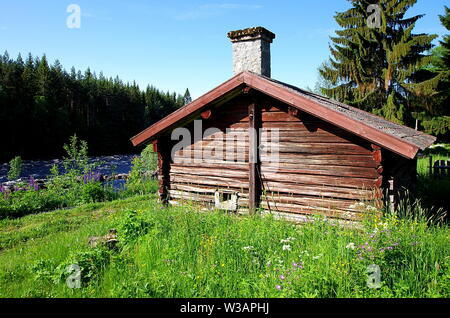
[[397, 138]]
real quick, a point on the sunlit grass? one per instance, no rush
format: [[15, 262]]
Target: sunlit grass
[[181, 252]]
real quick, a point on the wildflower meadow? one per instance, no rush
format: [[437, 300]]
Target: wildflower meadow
[[181, 252]]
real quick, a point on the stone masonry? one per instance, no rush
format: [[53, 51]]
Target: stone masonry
[[251, 50]]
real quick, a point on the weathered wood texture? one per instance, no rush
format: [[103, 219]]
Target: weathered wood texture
[[306, 167], [162, 148], [321, 169], [217, 162]]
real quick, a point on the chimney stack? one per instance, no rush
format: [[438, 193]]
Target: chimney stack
[[251, 50]]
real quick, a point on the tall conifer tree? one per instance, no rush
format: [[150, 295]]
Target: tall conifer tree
[[379, 68]]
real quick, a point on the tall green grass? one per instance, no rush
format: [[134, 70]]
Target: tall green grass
[[180, 252]]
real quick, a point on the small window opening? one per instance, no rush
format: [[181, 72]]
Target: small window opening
[[226, 200]]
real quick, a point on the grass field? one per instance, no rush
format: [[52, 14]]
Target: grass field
[[180, 252]]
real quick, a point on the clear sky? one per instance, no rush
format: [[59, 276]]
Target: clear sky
[[175, 44]]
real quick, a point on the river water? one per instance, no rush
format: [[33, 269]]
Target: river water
[[40, 169]]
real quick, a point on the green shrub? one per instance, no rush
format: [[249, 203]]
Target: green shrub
[[133, 226], [15, 168], [77, 184], [20, 203], [95, 192], [91, 262], [140, 179]]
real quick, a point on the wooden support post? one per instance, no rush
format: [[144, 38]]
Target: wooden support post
[[163, 150], [254, 180], [377, 156], [253, 159], [392, 194]]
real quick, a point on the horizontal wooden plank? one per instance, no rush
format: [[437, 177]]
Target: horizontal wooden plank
[[306, 139], [328, 203], [214, 165], [317, 190], [358, 183], [312, 127], [318, 148], [205, 189], [286, 147], [308, 210], [278, 136], [201, 158], [241, 115], [300, 159], [324, 170], [222, 182], [209, 172]]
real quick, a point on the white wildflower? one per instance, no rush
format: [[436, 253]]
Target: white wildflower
[[305, 252], [384, 225], [287, 248], [248, 248], [288, 240], [317, 257], [351, 246]]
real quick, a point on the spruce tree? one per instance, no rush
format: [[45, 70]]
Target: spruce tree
[[379, 68], [436, 119], [187, 99], [445, 19]]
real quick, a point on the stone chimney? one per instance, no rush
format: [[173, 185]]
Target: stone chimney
[[251, 50]]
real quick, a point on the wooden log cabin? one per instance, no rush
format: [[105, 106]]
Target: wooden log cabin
[[257, 144]]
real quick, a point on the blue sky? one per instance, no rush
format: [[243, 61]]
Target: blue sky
[[178, 44]]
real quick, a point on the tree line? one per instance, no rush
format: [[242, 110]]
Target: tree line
[[387, 69], [42, 105]]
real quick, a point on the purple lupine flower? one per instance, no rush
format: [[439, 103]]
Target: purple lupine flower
[[91, 176], [2, 189], [278, 287], [32, 183]]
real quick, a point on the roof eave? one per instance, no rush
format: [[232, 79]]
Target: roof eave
[[360, 129], [149, 134], [380, 138]]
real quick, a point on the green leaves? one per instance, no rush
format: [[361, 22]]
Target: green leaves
[[15, 168]]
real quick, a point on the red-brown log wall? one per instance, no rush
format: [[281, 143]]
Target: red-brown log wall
[[321, 170], [198, 180]]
